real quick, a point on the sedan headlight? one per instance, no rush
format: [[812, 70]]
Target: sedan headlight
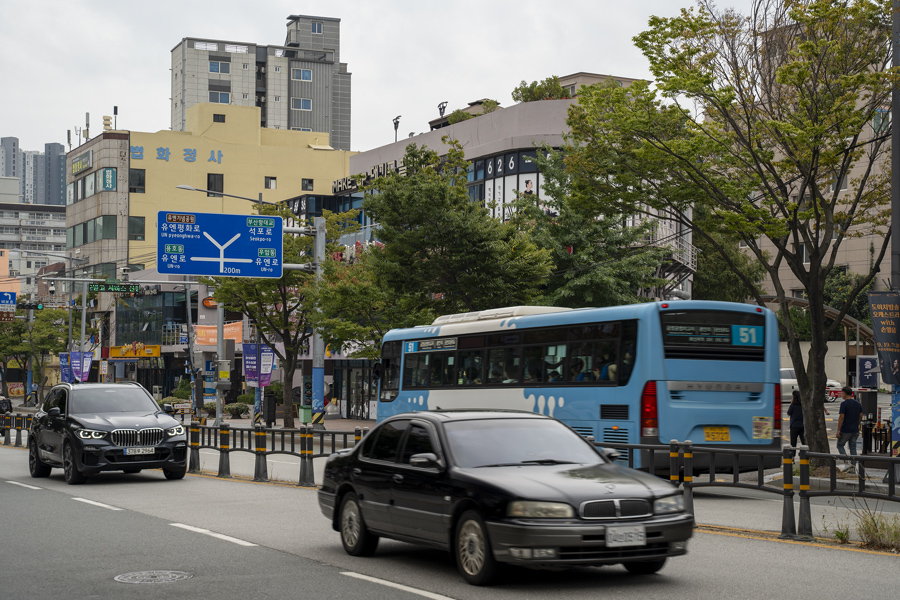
[[177, 430], [539, 510], [90, 434], [669, 504]]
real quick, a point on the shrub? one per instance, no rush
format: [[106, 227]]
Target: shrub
[[183, 390], [236, 409], [277, 390], [209, 407], [247, 399], [169, 400]]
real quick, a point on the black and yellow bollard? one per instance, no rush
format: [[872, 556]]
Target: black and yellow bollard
[[224, 450], [261, 471], [804, 523], [307, 479], [788, 525], [688, 449], [20, 423], [7, 426], [673, 461], [194, 463]]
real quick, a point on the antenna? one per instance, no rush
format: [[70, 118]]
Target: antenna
[[87, 126], [115, 115]]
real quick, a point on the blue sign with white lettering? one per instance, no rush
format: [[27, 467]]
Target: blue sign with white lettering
[[219, 245], [747, 335]]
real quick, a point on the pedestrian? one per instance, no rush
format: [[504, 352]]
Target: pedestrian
[[848, 424], [795, 412]]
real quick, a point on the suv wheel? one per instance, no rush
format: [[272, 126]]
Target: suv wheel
[[70, 468], [176, 473], [36, 466]]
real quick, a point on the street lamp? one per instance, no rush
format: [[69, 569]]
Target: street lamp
[[193, 189], [396, 126]]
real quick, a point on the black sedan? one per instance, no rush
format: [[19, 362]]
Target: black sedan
[[501, 487], [92, 427]]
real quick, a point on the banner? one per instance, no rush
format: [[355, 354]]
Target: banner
[[251, 364], [80, 364], [65, 369], [885, 310], [266, 363], [206, 334], [258, 362]]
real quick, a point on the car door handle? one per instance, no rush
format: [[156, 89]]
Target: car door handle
[[398, 478], [357, 472]]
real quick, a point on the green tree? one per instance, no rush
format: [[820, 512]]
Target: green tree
[[715, 279], [281, 308], [758, 118], [11, 336], [548, 89], [458, 116], [442, 252], [40, 338]]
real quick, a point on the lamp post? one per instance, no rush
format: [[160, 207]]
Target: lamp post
[[258, 201], [396, 126]]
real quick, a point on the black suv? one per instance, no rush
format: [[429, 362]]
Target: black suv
[[92, 427]]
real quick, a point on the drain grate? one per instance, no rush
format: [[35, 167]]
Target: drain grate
[[153, 577]]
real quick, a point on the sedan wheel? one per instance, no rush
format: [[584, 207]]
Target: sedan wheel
[[474, 557], [357, 540], [70, 469], [35, 466], [646, 567]]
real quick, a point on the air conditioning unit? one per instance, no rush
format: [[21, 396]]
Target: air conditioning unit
[[262, 98], [262, 69]]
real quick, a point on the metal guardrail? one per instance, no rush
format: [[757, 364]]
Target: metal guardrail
[[263, 442], [682, 472]]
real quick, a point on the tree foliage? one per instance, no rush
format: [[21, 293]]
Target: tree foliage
[[758, 118], [548, 89], [443, 252]]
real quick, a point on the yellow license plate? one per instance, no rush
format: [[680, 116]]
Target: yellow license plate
[[717, 434]]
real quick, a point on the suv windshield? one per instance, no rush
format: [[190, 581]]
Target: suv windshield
[[502, 442], [86, 401]]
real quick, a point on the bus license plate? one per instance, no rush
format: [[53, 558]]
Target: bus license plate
[[717, 434], [134, 451], [621, 536]]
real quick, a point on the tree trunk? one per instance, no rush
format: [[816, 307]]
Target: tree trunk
[[287, 393]]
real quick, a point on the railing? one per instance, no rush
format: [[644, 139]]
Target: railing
[[263, 442]]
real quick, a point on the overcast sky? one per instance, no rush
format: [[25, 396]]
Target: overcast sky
[[62, 58]]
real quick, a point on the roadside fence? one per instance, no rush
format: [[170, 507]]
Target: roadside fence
[[14, 422]]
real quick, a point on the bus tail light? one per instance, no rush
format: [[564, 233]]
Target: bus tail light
[[776, 431], [649, 418]]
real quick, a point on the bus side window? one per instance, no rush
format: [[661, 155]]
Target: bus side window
[[470, 367], [629, 350], [534, 365]]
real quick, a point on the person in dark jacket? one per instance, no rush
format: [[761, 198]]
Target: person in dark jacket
[[795, 412]]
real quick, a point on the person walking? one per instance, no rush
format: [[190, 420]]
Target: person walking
[[795, 412], [848, 425]]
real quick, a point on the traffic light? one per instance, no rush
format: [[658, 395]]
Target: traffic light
[[30, 305]]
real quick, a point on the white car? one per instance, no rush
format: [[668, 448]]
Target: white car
[[789, 384]]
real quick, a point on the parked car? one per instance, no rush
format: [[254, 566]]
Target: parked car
[[789, 384], [88, 428], [500, 487]]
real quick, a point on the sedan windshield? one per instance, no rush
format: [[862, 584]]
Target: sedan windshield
[[92, 401], [505, 442]]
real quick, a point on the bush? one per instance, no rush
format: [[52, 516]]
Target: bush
[[277, 390], [210, 408], [170, 400], [236, 409], [247, 399], [183, 390]]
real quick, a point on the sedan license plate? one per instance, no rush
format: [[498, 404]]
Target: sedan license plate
[[622, 536], [134, 451], [717, 434]]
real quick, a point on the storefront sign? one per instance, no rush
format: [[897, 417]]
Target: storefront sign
[[206, 334], [133, 351], [210, 302], [352, 183], [82, 162]]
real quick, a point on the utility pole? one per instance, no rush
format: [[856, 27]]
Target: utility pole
[[318, 344]]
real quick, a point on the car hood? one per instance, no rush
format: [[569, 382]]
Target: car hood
[[129, 420], [573, 484]]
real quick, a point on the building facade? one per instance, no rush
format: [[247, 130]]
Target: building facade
[[118, 181], [41, 174], [302, 85]]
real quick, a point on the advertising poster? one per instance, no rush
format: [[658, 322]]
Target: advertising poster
[[65, 369], [885, 310]]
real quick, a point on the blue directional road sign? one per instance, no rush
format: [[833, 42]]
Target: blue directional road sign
[[218, 245], [7, 306]]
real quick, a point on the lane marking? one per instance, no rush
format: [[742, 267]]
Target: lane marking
[[220, 536], [100, 504], [398, 586], [24, 485]]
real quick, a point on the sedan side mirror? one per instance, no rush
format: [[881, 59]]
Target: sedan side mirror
[[426, 460], [167, 408], [610, 454], [54, 412]]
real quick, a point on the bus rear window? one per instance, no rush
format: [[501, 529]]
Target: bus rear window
[[713, 335]]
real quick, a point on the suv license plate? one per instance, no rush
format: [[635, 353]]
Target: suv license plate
[[620, 536], [134, 451], [716, 434]]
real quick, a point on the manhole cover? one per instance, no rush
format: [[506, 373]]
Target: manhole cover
[[153, 577]]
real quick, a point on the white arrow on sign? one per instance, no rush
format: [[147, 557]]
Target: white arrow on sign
[[221, 260]]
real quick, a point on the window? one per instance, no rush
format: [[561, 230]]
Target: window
[[417, 442], [271, 183], [277, 98], [306, 185], [136, 183], [236, 49], [219, 118], [388, 443], [219, 67], [245, 66], [246, 96], [206, 46], [278, 69], [215, 182], [136, 228], [843, 184], [316, 27], [301, 104], [220, 97], [301, 74], [881, 123]]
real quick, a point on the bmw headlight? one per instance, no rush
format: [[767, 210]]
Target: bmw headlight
[[90, 434], [669, 504], [177, 430], [539, 510]]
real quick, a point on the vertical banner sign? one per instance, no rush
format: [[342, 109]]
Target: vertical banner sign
[[65, 369], [86, 359], [251, 366], [885, 310], [266, 362]]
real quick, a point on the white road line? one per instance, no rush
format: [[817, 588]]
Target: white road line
[[398, 586], [220, 536], [24, 485], [100, 504]]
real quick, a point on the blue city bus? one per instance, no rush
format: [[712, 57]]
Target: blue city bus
[[639, 374]]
